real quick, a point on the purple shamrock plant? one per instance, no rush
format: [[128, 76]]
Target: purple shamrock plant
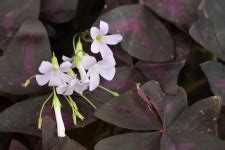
[[164, 122], [65, 81]]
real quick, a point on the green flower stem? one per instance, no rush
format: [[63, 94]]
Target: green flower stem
[[88, 101], [110, 91], [74, 108], [27, 82], [40, 115]]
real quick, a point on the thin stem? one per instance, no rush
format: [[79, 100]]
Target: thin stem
[[84, 34], [110, 91], [74, 41], [88, 101], [42, 107]]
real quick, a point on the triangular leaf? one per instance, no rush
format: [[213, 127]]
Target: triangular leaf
[[24, 54], [201, 116]]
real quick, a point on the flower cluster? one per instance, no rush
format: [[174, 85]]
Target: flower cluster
[[65, 81]]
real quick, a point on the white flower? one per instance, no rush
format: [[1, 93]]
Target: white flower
[[73, 86], [105, 68], [102, 40], [58, 116], [52, 74]]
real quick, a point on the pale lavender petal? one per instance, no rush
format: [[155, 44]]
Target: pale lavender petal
[[94, 80], [105, 51], [61, 89], [80, 87], [64, 58], [69, 91], [94, 32], [42, 79], [65, 66], [104, 28], [112, 39], [95, 46], [88, 62], [65, 77], [108, 62], [55, 81], [46, 67], [106, 73]]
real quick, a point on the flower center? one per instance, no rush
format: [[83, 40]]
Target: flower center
[[99, 38]]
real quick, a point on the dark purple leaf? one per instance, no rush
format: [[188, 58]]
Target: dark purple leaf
[[190, 141], [15, 145], [181, 131], [182, 13], [168, 107], [208, 29], [201, 116], [50, 139], [215, 72], [131, 141], [122, 56], [58, 11], [144, 36], [13, 14], [165, 73], [128, 111], [22, 117], [24, 54]]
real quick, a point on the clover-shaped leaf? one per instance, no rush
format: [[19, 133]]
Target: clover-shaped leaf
[[176, 131], [24, 54], [208, 29], [144, 36]]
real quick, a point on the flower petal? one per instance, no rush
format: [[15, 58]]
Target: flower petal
[[65, 77], [45, 67], [88, 62], [60, 123], [65, 66], [108, 62], [94, 32], [61, 89], [69, 91], [94, 80], [64, 58], [104, 28], [95, 46], [55, 81], [106, 73], [42, 79], [105, 51], [112, 39]]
